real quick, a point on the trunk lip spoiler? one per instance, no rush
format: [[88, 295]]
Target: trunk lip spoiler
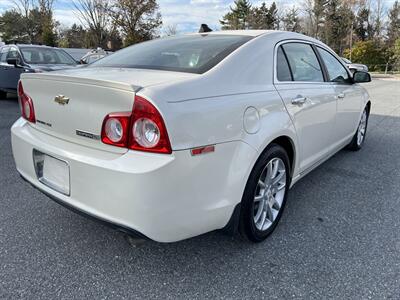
[[82, 80]]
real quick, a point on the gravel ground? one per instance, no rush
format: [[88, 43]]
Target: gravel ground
[[339, 236]]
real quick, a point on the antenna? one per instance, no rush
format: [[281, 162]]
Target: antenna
[[204, 28]]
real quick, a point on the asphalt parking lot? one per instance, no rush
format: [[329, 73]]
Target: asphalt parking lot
[[339, 236]]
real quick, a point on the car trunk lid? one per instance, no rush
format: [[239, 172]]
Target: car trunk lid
[[72, 104], [75, 111]]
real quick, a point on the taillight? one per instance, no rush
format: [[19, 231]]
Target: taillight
[[116, 129], [26, 104], [143, 129], [148, 128]]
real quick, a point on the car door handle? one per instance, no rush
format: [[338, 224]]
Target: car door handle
[[299, 101], [341, 96]]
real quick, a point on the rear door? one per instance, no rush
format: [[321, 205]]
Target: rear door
[[348, 96], [309, 99]]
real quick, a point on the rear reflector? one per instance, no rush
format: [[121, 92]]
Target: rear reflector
[[202, 150]]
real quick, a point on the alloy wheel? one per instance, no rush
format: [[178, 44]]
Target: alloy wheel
[[362, 128], [269, 194]]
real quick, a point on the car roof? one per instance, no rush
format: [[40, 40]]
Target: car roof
[[251, 32], [32, 45], [279, 34]]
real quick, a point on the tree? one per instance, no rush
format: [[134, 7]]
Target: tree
[[12, 27], [318, 11], [238, 17], [291, 20], [37, 23], [47, 24], [264, 17], [24, 7], [170, 30], [370, 52], [138, 20], [338, 18], [95, 16], [74, 37], [362, 26], [393, 30], [396, 53]]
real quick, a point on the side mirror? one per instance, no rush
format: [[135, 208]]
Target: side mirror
[[360, 77], [14, 61]]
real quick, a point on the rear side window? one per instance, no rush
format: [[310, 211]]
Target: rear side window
[[282, 66], [190, 53], [303, 62], [336, 71]]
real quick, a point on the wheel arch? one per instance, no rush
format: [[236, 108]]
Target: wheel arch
[[368, 106], [286, 143]]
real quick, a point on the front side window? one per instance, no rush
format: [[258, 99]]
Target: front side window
[[336, 71], [3, 54], [13, 53], [303, 62], [191, 53]]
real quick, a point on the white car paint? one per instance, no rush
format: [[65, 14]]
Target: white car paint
[[239, 106]]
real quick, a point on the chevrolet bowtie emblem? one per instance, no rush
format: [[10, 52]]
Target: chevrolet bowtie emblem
[[61, 99]]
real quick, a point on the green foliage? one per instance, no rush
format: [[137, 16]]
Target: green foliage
[[238, 17], [12, 27], [338, 20], [393, 30], [35, 26], [362, 26], [74, 37], [371, 52], [243, 16], [395, 51], [138, 20], [318, 11], [264, 17]]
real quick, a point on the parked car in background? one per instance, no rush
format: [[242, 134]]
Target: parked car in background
[[77, 53], [94, 55], [175, 137], [354, 67], [18, 59]]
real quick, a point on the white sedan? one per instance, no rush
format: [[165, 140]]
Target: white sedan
[[180, 136]]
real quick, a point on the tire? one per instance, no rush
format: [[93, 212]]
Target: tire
[[263, 203], [3, 95], [359, 137]]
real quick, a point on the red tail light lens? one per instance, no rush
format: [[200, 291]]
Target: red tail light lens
[[116, 129], [143, 129], [148, 129], [26, 104]]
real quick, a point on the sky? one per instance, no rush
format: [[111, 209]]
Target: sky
[[186, 15]]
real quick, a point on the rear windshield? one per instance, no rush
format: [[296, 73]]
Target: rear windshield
[[42, 56], [192, 53]]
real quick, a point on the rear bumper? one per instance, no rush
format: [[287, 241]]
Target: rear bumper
[[163, 197]]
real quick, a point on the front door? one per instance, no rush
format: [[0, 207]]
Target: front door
[[349, 96], [3, 67], [12, 72]]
